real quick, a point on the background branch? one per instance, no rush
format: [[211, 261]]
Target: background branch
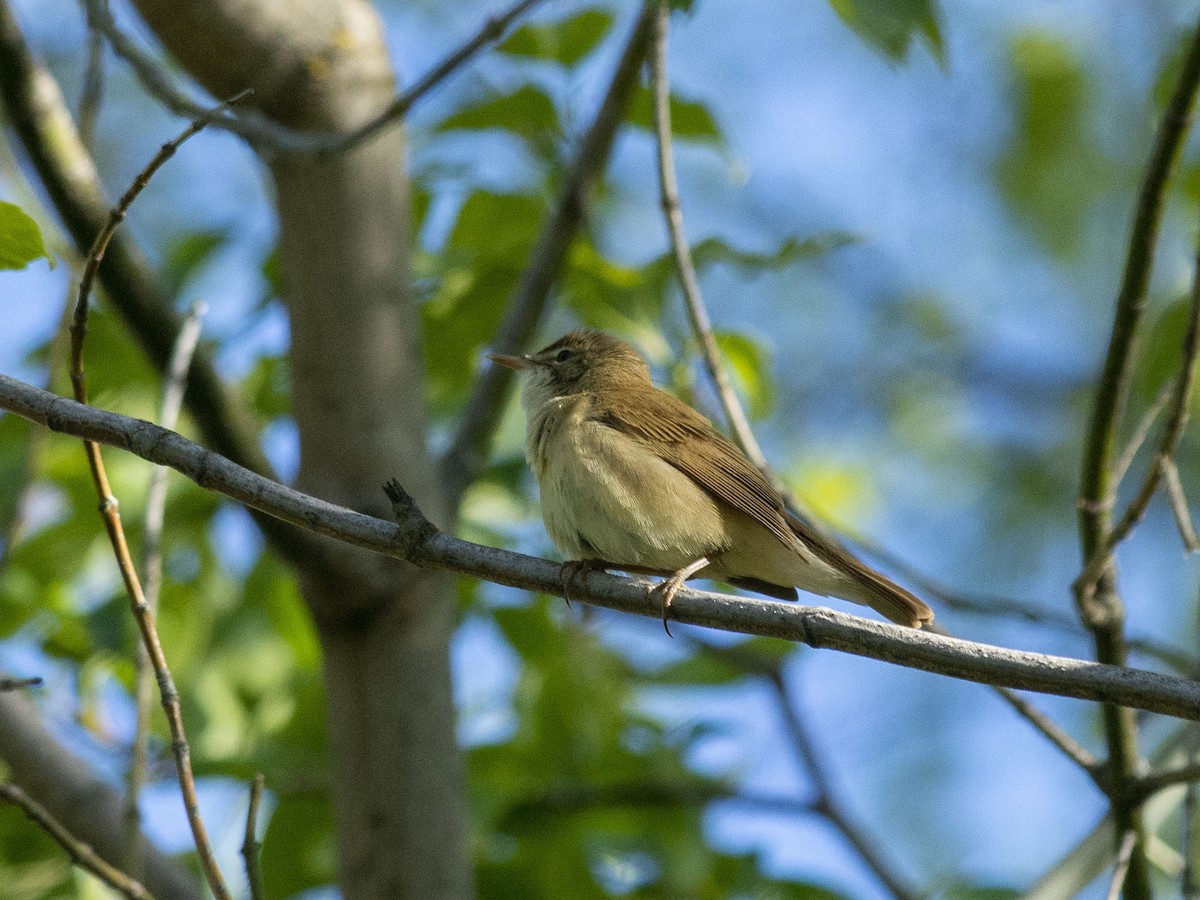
[[269, 136], [152, 570], [81, 854], [33, 106], [78, 797]]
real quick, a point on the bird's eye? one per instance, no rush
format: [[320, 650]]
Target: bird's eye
[[562, 355]]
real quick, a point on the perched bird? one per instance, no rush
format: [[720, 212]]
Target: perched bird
[[634, 479]]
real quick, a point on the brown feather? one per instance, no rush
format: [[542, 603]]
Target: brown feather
[[678, 434]]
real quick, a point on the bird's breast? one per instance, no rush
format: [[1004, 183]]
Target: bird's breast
[[606, 495]]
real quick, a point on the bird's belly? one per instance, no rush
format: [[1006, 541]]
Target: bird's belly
[[606, 496]]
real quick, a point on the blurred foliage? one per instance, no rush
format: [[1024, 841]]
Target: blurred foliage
[[580, 791], [891, 25]]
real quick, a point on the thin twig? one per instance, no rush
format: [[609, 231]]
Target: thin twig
[[1154, 782], [110, 513], [467, 455], [269, 136], [669, 196], [250, 844], [1138, 438], [827, 802], [413, 538], [7, 683], [152, 567], [93, 86], [1121, 868], [81, 854], [1179, 506]]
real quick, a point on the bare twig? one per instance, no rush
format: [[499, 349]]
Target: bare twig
[[81, 854], [669, 195], [829, 804], [250, 844], [93, 86], [1054, 732], [110, 513], [156, 501], [1154, 782], [1178, 413], [7, 683], [1121, 868], [1179, 506], [269, 136], [1140, 433], [419, 542], [1097, 599], [464, 460]]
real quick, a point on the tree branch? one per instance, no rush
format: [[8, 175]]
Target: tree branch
[[828, 804], [81, 854], [467, 455], [420, 543], [1179, 506], [268, 136], [1099, 604], [8, 683]]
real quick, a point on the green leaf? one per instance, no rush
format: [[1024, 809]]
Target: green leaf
[[188, 254], [690, 120], [889, 26], [526, 111], [750, 364], [566, 42], [1052, 171], [20, 239]]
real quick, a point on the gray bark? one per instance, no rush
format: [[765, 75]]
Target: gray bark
[[358, 399]]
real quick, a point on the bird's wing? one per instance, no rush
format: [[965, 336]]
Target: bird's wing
[[679, 435]]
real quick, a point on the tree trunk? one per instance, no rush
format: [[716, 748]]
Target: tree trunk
[[358, 399]]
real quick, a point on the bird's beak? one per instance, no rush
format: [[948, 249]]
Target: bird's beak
[[511, 362]]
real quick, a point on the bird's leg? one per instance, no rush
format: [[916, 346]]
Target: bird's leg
[[671, 586]]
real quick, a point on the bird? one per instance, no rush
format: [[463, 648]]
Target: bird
[[633, 479]]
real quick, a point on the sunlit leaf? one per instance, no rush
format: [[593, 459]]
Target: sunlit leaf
[[525, 111], [566, 42], [690, 119], [750, 364], [20, 239]]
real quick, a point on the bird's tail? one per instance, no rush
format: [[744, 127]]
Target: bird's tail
[[863, 584]]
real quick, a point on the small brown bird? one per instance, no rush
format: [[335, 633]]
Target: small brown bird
[[634, 479]]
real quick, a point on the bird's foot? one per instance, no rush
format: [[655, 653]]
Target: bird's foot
[[572, 569], [669, 588]]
